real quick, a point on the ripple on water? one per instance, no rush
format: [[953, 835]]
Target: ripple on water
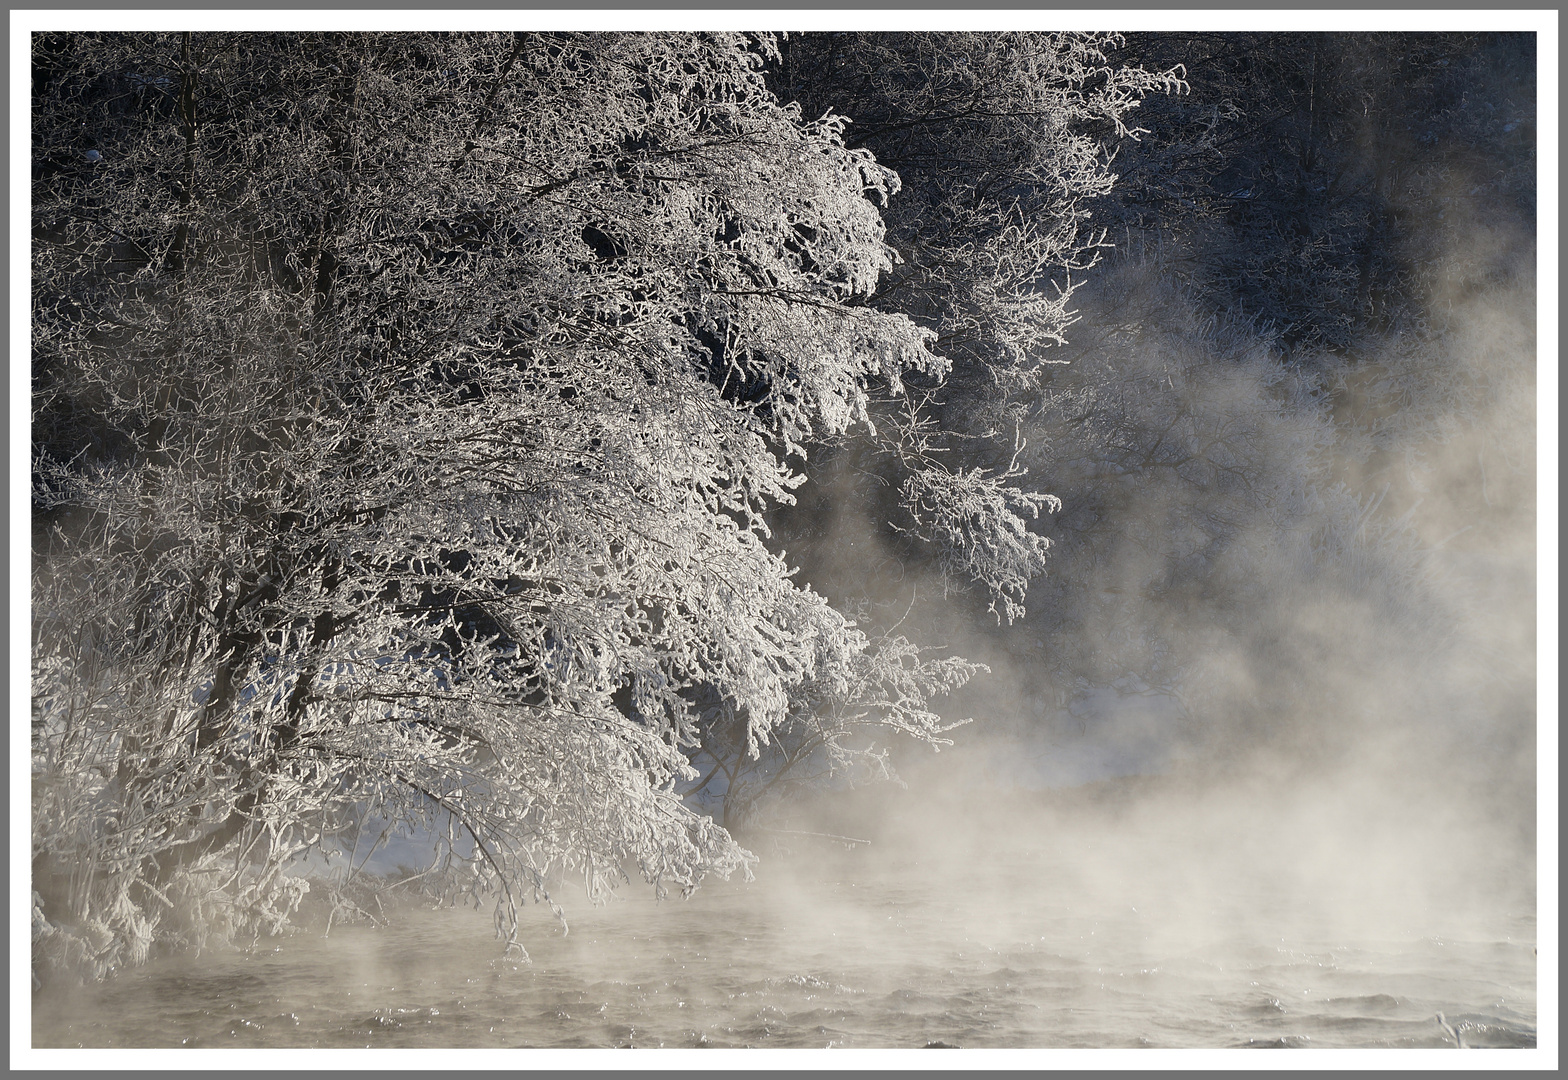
[[1278, 1042]]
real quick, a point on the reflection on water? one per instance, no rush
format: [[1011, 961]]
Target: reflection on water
[[853, 953]]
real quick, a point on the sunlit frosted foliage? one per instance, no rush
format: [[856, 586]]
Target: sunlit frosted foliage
[[407, 408], [1002, 142]]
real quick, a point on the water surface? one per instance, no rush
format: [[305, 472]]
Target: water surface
[[830, 948]]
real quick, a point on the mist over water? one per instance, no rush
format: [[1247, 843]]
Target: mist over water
[[1321, 842], [1275, 791], [1089, 923], [1321, 834]]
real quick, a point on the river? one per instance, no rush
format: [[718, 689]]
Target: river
[[1058, 934]]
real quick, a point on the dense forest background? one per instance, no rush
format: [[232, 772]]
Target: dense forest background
[[561, 451]]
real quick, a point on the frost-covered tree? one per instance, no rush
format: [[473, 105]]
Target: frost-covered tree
[[1002, 143], [407, 409]]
